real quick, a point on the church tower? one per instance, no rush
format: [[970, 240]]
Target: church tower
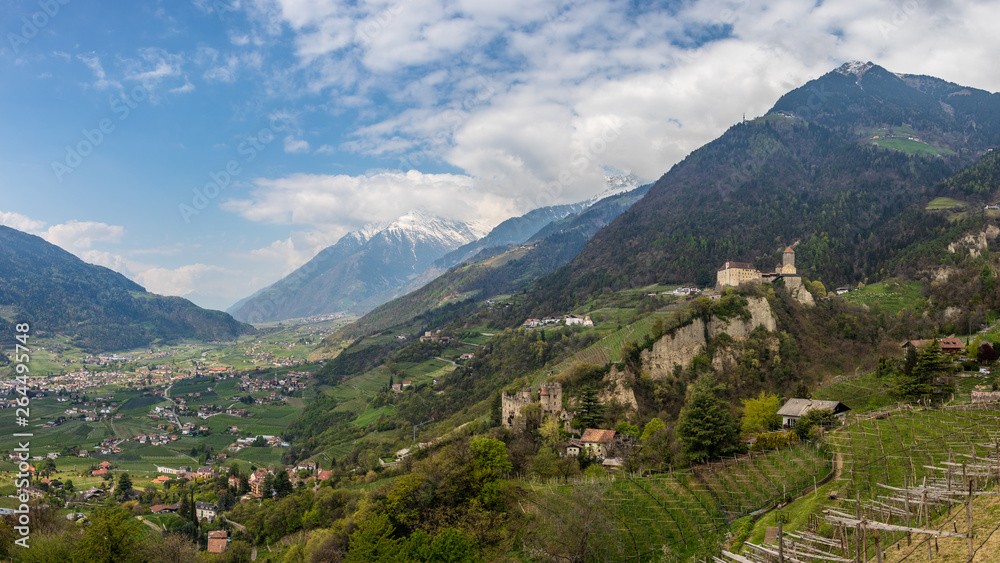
[[788, 261]]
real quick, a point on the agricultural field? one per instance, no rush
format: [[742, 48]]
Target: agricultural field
[[891, 296], [75, 434], [913, 147], [684, 509], [933, 450], [941, 203], [861, 393]]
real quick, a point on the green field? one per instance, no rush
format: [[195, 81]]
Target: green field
[[912, 147], [890, 295], [940, 203]]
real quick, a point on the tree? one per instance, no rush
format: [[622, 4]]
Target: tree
[[373, 541], [282, 485], [450, 546], [225, 501], [591, 411], [113, 536], [489, 465], [551, 432], [706, 426], [655, 440], [175, 548], [987, 354], [123, 485], [626, 428], [919, 373], [819, 418], [760, 414]]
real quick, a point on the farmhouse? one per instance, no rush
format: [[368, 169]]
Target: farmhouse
[[795, 409], [951, 346], [597, 442], [218, 541]]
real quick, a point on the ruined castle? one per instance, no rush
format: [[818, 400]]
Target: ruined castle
[[549, 397]]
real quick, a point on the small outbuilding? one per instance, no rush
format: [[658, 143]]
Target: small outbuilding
[[795, 409]]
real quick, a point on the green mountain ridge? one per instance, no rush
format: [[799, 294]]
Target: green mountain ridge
[[805, 179], [99, 309]]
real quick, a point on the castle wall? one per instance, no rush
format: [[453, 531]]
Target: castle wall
[[510, 406], [732, 277]]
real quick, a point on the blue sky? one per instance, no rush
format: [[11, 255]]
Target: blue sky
[[118, 120]]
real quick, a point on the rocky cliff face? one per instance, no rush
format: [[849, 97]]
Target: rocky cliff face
[[679, 348], [618, 388]]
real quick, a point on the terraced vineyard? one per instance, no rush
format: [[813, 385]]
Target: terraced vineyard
[[883, 452], [682, 509], [609, 348]]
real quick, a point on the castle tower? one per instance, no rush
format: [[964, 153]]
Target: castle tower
[[550, 395], [788, 261]]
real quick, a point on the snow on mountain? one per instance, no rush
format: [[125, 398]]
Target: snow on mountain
[[364, 269], [419, 226], [855, 68], [617, 184]]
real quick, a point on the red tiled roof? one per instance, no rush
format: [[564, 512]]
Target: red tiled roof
[[788, 250], [594, 435]]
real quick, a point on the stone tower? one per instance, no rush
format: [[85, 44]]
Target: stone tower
[[550, 395], [788, 261]]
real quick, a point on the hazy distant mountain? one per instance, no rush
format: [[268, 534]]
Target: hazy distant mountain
[[99, 309], [496, 270], [362, 270]]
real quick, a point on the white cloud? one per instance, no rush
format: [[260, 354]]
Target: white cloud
[[187, 87], [101, 81], [177, 281], [340, 203], [532, 101], [20, 222], [77, 236], [153, 67], [293, 145]]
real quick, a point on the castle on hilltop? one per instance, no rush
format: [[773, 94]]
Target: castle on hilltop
[[733, 274], [549, 397]]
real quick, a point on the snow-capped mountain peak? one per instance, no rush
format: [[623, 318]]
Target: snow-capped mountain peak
[[856, 68], [617, 184], [421, 226]]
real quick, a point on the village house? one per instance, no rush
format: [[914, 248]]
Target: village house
[[257, 483], [597, 442], [218, 540], [205, 511], [795, 409], [951, 346]]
